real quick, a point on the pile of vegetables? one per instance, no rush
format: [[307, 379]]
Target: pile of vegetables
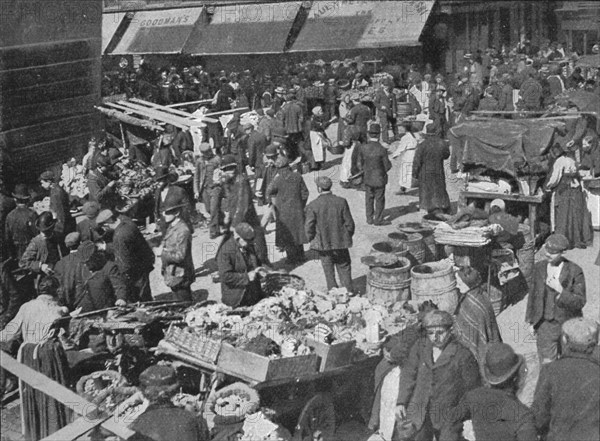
[[136, 182]]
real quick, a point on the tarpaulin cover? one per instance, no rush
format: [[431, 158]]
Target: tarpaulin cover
[[584, 100], [244, 29], [110, 23], [158, 32], [500, 144], [362, 24]]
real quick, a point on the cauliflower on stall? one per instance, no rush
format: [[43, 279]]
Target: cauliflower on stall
[[338, 314], [206, 316]]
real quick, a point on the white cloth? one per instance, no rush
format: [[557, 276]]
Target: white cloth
[[421, 97], [407, 147], [346, 167], [317, 145], [436, 354], [389, 396]]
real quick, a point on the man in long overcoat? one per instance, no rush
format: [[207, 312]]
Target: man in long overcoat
[[557, 295], [329, 228], [439, 371], [290, 195], [292, 117], [428, 171], [372, 159], [133, 255], [385, 103], [238, 206], [565, 403], [20, 224]]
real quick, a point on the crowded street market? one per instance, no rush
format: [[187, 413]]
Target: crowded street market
[[300, 221]]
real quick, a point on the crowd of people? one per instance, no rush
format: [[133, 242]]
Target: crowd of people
[[104, 260]]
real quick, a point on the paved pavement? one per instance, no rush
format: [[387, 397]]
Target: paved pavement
[[399, 209]]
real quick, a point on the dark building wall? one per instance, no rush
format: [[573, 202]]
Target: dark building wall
[[50, 69]]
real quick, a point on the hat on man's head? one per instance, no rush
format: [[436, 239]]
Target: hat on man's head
[[343, 84], [279, 90], [104, 216], [581, 332], [72, 239], [557, 243], [271, 150], [374, 129], [172, 202], [245, 231], [21, 193], [279, 132], [228, 162], [324, 183], [85, 250], [45, 221], [159, 376], [498, 203], [437, 318], [48, 175], [501, 363], [91, 209], [317, 110]]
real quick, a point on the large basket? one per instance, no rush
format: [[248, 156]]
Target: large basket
[[195, 344], [99, 382], [274, 282]]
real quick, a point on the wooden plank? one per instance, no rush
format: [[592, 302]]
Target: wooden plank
[[121, 116], [170, 110], [190, 103], [163, 115], [224, 112], [145, 113], [77, 428], [505, 197], [60, 393], [36, 113], [38, 75], [46, 53]]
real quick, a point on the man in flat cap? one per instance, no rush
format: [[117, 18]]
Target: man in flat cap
[[565, 403], [68, 270], [329, 229], [87, 226], [372, 159], [59, 204], [557, 295], [439, 371], [205, 188], [238, 266], [359, 116]]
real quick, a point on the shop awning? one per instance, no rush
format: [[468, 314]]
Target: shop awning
[[244, 29], [158, 32], [351, 25], [110, 23]]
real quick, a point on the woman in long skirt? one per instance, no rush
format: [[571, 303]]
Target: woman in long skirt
[[41, 351]]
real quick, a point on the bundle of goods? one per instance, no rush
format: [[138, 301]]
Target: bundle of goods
[[74, 181], [40, 206], [136, 182], [467, 237], [105, 389], [187, 166]]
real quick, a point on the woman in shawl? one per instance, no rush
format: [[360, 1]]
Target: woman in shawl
[[41, 351]]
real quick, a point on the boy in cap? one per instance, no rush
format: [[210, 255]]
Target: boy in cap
[[68, 270], [439, 371], [87, 226], [19, 224], [565, 403], [372, 159], [329, 229], [176, 252], [510, 420], [239, 265], [557, 295]]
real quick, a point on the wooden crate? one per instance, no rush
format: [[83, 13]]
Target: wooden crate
[[334, 355], [260, 368]]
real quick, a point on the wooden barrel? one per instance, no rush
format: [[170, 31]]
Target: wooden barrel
[[389, 285], [435, 281], [403, 110], [413, 243], [389, 247], [428, 239]]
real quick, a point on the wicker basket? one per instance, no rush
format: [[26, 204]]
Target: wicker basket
[[194, 344], [274, 282], [103, 381]]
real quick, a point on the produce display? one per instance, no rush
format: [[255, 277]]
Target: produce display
[[279, 326], [136, 182]]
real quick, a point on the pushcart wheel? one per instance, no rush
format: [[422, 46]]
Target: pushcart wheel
[[317, 420]]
